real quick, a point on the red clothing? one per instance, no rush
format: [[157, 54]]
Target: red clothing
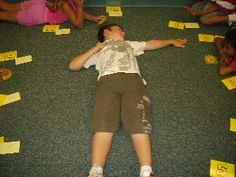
[[227, 6], [233, 64]]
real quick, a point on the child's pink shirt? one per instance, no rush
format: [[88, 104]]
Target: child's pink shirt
[[59, 16]]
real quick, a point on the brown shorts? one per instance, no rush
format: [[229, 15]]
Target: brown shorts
[[121, 99]]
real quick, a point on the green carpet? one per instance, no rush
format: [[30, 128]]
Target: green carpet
[[190, 106]]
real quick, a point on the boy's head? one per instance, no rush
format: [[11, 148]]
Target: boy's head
[[230, 39], [110, 31]]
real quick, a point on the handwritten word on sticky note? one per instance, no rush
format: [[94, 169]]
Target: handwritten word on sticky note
[[113, 9], [50, 28], [1, 139], [10, 147], [206, 37], [8, 56], [191, 25], [210, 59], [233, 124], [62, 31], [22, 60], [221, 169], [230, 82]]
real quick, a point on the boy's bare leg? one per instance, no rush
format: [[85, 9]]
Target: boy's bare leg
[[101, 145], [142, 146], [214, 20], [9, 16], [9, 6]]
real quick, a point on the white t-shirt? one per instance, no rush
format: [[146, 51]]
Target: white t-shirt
[[117, 56]]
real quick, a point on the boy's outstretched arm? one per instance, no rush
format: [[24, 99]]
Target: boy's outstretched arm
[[156, 44], [78, 62]]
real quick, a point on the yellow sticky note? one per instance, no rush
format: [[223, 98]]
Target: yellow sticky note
[[12, 98], [233, 124], [2, 99], [115, 14], [230, 82], [22, 60], [1, 139], [221, 169], [206, 37], [191, 25], [10, 147], [62, 31], [8, 56], [50, 28], [113, 9], [210, 59], [177, 25]]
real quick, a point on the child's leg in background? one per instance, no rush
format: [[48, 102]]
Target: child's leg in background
[[9, 6], [33, 12], [199, 5], [10, 16], [213, 17]]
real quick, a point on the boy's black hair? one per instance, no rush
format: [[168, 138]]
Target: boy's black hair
[[100, 34], [230, 37]]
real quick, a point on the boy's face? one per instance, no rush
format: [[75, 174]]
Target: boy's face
[[115, 33], [229, 50]]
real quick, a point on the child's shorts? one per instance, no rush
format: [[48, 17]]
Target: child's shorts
[[33, 12], [121, 100]]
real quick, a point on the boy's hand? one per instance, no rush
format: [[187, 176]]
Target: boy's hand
[[98, 47], [179, 42]]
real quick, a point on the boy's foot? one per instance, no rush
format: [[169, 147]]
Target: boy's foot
[[5, 73]]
